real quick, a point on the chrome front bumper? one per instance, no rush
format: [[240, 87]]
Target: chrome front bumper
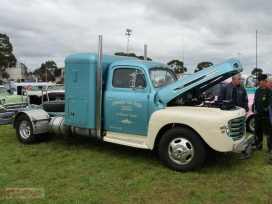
[[245, 147]]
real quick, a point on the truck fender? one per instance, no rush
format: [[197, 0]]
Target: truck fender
[[39, 119], [163, 120], [195, 119]]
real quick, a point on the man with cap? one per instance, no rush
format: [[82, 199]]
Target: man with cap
[[260, 107]]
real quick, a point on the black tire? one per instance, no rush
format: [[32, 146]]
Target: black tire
[[24, 130], [182, 150], [250, 124], [54, 106]]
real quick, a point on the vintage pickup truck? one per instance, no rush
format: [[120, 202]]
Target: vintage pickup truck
[[141, 104]]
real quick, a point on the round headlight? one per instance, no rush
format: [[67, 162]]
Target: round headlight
[[228, 130], [2, 101]]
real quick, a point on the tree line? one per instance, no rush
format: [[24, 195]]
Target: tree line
[[50, 70], [47, 70], [177, 65]]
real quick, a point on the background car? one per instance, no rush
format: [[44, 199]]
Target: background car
[[9, 103], [41, 90], [38, 94]]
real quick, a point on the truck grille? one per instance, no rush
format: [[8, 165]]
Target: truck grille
[[237, 128]]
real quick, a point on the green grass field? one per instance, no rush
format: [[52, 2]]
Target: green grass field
[[83, 170]]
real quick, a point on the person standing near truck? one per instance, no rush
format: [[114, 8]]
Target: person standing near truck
[[260, 107], [235, 91], [269, 85]]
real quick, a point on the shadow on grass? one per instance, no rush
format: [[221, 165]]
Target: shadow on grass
[[77, 143], [215, 160], [221, 160]]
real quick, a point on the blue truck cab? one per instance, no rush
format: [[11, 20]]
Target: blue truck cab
[[142, 104]]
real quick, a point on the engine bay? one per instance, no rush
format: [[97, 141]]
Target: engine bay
[[201, 100]]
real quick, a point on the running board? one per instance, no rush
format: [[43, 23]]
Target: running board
[[126, 139]]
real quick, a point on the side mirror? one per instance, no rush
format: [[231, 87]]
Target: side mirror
[[132, 81], [137, 80]]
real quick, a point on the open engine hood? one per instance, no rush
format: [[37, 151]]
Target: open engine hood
[[200, 81]]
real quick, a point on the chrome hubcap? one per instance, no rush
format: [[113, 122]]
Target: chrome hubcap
[[181, 151], [24, 129]]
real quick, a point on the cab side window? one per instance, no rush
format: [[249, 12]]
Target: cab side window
[[122, 78]]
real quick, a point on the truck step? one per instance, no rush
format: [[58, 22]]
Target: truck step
[[131, 140]]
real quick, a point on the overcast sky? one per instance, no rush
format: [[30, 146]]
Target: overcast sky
[[192, 31]]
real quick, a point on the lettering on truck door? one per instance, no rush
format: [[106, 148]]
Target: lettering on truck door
[[126, 102]]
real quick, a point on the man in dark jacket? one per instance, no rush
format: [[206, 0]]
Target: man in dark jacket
[[235, 91], [269, 85], [260, 107]]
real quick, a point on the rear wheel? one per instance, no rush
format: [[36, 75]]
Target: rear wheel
[[24, 130], [250, 124], [181, 149]]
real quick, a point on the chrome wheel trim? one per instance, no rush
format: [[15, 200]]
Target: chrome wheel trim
[[181, 151], [25, 130]]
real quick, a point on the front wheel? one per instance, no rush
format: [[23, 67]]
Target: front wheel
[[24, 130], [182, 150]]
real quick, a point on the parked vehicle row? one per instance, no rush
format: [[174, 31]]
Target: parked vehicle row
[[35, 95], [38, 94], [9, 103], [40, 90]]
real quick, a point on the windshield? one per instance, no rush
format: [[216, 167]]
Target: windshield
[[162, 77]]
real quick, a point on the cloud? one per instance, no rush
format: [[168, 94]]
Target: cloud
[[191, 31]]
